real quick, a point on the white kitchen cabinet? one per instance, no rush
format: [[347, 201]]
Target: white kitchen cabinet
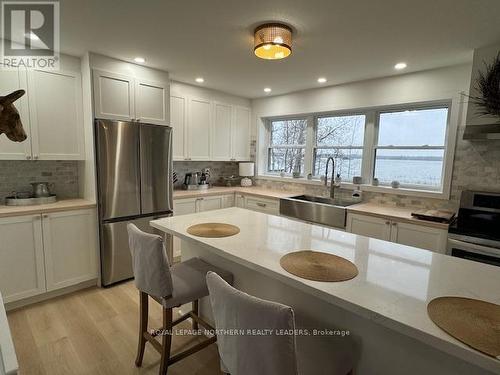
[[434, 239], [239, 200], [152, 102], [240, 134], [126, 98], [199, 124], [369, 226], [69, 243], [221, 132], [22, 271], [178, 122], [10, 81], [421, 236], [209, 203], [55, 102], [113, 96], [268, 206], [184, 206]]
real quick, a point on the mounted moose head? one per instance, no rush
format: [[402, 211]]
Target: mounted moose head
[[10, 121]]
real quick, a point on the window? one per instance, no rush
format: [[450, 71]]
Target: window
[[406, 144], [411, 147], [287, 145], [340, 137]]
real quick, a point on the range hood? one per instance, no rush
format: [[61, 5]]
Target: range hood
[[480, 127]]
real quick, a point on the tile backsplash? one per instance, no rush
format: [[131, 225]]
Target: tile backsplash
[[16, 175], [218, 169]]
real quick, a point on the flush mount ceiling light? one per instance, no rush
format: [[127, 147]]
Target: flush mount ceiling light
[[199, 80], [321, 80], [400, 66], [267, 89], [273, 41], [140, 60]]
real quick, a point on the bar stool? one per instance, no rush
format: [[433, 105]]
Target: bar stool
[[270, 354], [170, 286]]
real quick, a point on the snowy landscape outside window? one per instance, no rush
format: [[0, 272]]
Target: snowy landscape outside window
[[411, 147], [340, 137], [287, 146]]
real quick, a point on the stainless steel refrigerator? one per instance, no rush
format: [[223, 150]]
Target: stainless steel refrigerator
[[134, 179]]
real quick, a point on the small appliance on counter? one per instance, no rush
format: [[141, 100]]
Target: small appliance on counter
[[197, 180], [40, 195], [246, 170], [474, 235]]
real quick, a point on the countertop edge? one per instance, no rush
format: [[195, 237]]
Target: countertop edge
[[61, 205]]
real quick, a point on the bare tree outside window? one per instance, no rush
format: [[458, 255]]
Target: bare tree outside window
[[340, 137], [287, 146]]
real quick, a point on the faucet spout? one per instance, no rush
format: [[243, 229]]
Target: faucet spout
[[332, 179]]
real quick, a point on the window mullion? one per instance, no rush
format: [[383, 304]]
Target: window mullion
[[371, 134], [309, 149]]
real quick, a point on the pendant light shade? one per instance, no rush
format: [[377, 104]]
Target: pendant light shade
[[273, 41]]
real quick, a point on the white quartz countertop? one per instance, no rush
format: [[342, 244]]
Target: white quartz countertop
[[8, 359], [394, 284], [61, 205], [219, 190]]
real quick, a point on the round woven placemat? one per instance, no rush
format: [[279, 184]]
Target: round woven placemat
[[476, 323], [317, 266], [213, 230]]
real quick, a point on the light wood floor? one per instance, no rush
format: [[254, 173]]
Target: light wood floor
[[94, 331]]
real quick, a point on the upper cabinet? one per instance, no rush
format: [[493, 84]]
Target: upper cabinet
[[121, 97], [51, 113], [240, 134], [178, 122], [221, 132], [198, 134]]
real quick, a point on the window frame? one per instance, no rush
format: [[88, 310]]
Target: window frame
[[372, 118]]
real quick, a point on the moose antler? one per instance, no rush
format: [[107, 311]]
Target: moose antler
[[10, 121]]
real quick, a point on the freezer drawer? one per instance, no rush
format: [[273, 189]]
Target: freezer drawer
[[116, 262], [156, 168], [118, 169]]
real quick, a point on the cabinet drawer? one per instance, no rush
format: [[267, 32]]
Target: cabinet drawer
[[268, 206]]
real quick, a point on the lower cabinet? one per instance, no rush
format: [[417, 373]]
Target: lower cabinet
[[45, 252], [415, 235], [268, 206]]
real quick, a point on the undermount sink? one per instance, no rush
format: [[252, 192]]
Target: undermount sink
[[326, 211]]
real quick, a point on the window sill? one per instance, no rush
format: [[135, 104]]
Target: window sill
[[362, 187]]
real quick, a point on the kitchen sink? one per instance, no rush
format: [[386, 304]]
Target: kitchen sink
[[326, 211]]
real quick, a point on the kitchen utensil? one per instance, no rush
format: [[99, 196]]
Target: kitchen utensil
[[41, 189], [196, 178], [187, 178]]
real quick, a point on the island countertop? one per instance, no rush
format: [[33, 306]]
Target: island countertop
[[394, 284]]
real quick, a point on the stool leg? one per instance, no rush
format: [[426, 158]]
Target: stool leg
[[143, 327], [196, 310], [166, 341]]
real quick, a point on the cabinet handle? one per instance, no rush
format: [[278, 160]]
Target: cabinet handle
[[387, 223], [261, 204], [35, 157], [45, 216], [394, 224], [28, 157]]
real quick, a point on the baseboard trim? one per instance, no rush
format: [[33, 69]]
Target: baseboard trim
[[52, 294]]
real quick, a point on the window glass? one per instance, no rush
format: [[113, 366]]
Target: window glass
[[288, 160], [288, 132], [340, 131], [347, 162]]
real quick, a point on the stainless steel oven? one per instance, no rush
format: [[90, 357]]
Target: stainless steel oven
[[472, 251]]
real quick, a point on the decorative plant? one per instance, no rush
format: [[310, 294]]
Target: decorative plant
[[488, 86]]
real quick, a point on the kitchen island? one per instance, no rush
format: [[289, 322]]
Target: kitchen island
[[384, 307]]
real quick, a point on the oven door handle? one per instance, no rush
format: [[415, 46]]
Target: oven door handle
[[472, 247]]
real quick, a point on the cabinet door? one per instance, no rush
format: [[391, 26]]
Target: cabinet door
[[55, 99], [12, 80], [113, 96], [239, 200], [199, 121], [369, 226], [69, 241], [152, 102], [221, 132], [209, 203], [420, 236], [228, 201], [22, 272], [240, 133], [268, 206], [178, 122], [184, 206]]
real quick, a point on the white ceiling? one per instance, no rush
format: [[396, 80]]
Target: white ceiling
[[342, 40]]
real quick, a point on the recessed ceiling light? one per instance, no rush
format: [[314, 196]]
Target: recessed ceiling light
[[199, 80], [140, 60], [267, 89], [400, 66], [321, 80]]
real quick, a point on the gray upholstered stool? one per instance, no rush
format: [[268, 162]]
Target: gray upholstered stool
[[170, 286], [282, 354]]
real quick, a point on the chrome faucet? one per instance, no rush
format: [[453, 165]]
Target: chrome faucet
[[332, 181]]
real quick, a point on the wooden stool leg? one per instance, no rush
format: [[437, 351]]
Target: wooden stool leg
[[196, 310], [166, 341], [143, 326]]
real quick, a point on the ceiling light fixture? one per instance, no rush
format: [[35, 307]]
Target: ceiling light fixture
[[273, 41], [199, 80], [140, 60], [267, 89], [400, 66], [321, 80]]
